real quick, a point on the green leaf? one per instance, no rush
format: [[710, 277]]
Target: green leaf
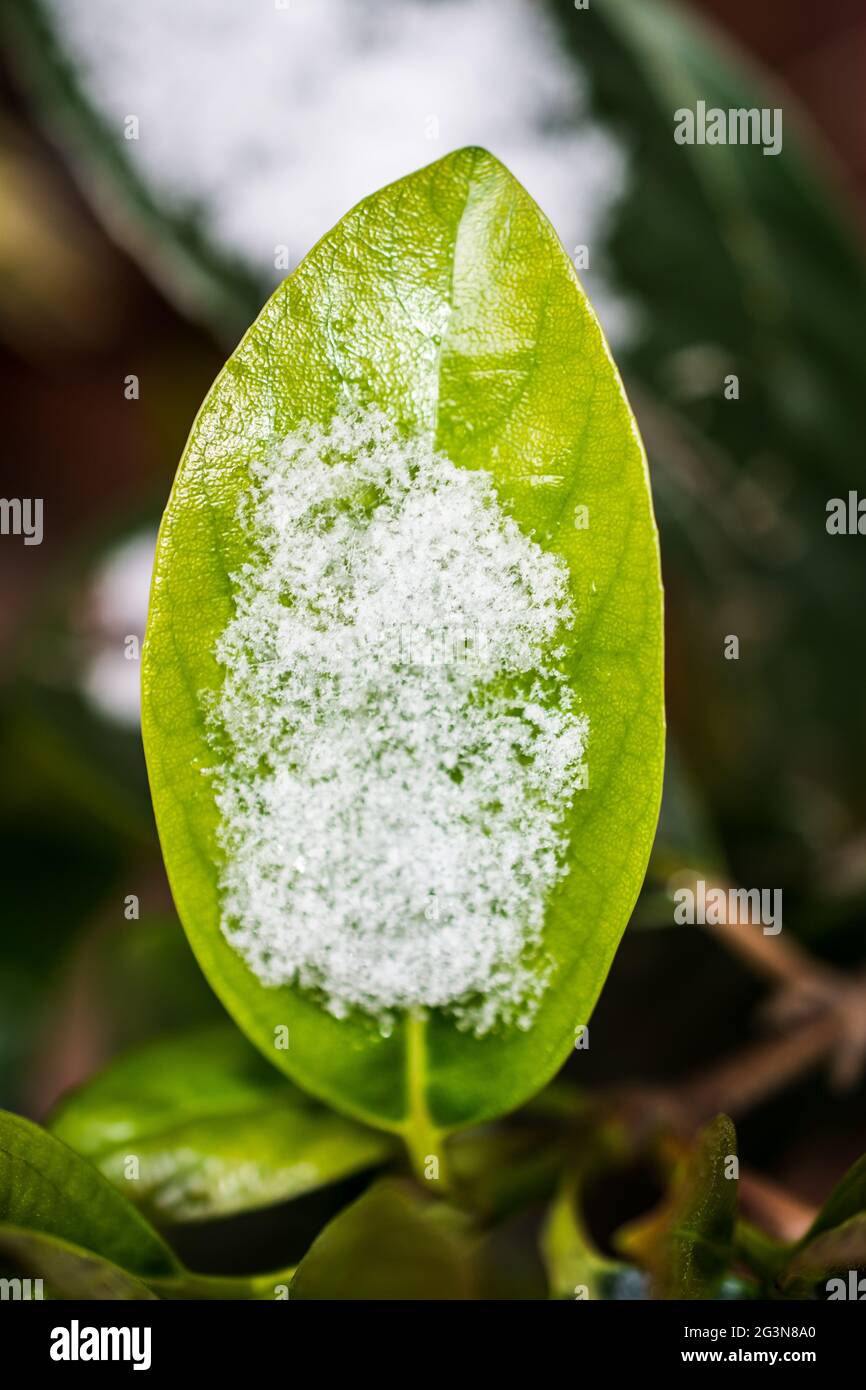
[[847, 1199], [836, 1239], [836, 1250], [447, 301], [63, 1223], [687, 1244], [213, 1128], [393, 1243], [58, 1212], [67, 1271], [575, 1268]]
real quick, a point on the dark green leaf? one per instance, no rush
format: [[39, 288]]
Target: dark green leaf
[[64, 1209], [687, 1245], [847, 1199], [68, 1271], [835, 1251], [393, 1243]]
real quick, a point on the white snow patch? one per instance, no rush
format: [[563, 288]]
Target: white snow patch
[[396, 747]]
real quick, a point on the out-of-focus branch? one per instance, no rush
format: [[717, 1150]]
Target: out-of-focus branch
[[751, 1075], [772, 1208], [822, 1015]]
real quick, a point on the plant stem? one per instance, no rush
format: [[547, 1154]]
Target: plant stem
[[424, 1141]]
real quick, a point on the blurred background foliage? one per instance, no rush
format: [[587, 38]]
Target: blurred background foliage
[[702, 262]]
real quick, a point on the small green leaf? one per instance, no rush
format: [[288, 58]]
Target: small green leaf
[[687, 1244], [575, 1268], [837, 1250], [67, 1271], [847, 1199], [61, 1222], [61, 1214], [393, 1243], [212, 1129], [836, 1239], [446, 301]]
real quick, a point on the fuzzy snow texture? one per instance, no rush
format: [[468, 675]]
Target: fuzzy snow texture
[[267, 121], [395, 747]]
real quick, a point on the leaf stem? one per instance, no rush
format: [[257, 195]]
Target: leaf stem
[[256, 1287], [424, 1140]]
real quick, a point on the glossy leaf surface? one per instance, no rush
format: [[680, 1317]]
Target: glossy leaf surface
[[446, 301], [212, 1129]]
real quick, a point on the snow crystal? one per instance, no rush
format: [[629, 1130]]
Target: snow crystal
[[395, 744]]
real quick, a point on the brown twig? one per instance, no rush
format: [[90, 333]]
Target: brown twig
[[750, 1076], [773, 1209], [822, 1012]]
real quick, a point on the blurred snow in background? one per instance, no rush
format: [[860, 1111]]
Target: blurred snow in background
[[269, 119], [117, 610]]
